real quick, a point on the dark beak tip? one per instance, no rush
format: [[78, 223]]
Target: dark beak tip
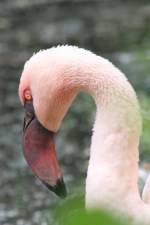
[[59, 189]]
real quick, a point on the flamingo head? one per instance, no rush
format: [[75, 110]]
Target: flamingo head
[[43, 93]]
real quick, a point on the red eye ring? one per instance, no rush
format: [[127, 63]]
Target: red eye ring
[[27, 95]]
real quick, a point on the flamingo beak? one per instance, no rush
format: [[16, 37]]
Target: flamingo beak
[[39, 152]]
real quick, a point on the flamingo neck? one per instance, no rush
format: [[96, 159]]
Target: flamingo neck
[[113, 166]]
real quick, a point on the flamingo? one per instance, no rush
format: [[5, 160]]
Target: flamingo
[[50, 81]]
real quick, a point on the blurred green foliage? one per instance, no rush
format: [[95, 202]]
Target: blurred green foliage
[[72, 212]]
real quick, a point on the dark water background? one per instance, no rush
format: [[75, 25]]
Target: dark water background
[[118, 30]]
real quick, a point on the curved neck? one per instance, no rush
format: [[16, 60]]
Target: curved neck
[[117, 105], [113, 165]]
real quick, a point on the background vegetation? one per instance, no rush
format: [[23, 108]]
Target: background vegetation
[[118, 30]]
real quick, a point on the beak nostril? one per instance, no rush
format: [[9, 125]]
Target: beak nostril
[[29, 114]]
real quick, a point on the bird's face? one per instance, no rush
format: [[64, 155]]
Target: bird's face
[[39, 150], [46, 90]]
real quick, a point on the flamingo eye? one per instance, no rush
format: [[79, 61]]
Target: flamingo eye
[[27, 95]]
